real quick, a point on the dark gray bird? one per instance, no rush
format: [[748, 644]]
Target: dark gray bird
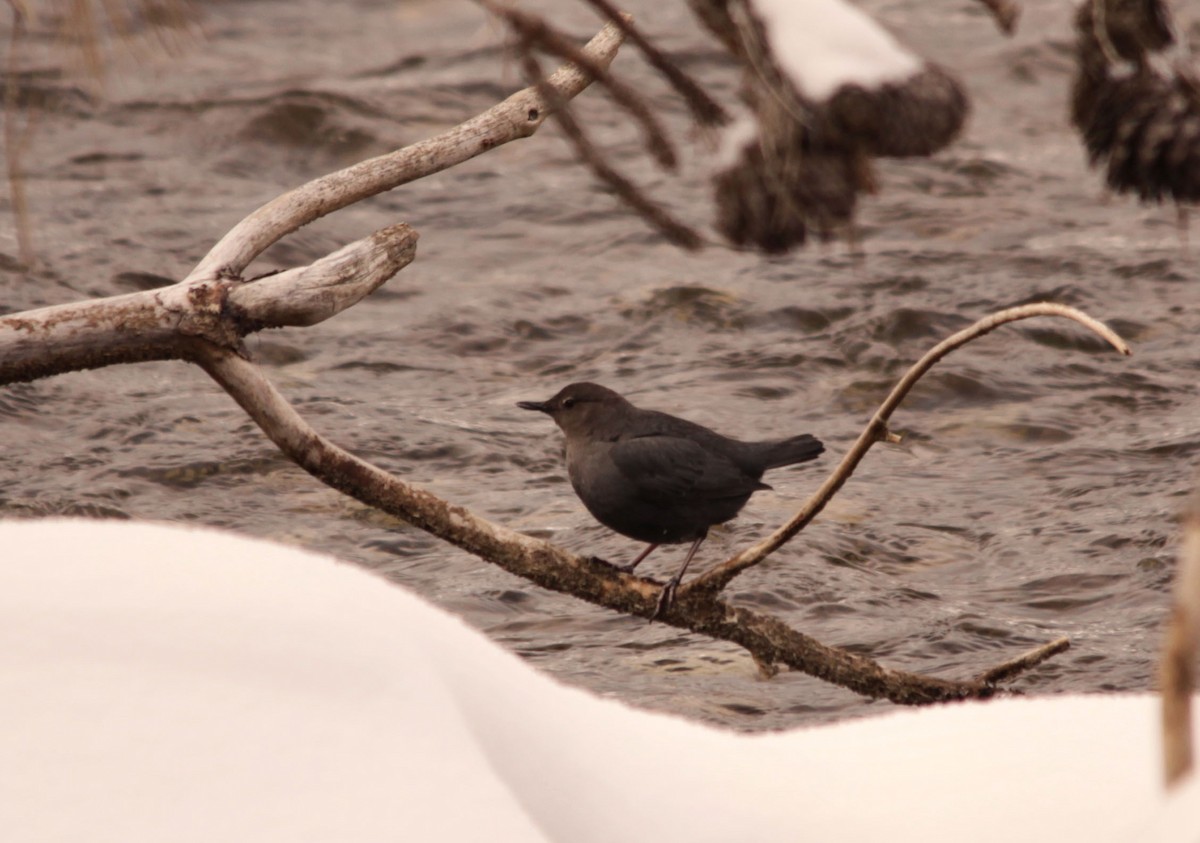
[[658, 478]]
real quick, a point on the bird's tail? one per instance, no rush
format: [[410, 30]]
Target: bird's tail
[[800, 448]]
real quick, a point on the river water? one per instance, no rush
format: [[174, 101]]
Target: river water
[[1035, 496]]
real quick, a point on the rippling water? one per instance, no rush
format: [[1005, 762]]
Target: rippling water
[[1036, 492]]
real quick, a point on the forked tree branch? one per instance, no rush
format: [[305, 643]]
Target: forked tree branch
[[204, 319], [533, 30], [767, 638], [519, 116], [155, 324], [720, 575]]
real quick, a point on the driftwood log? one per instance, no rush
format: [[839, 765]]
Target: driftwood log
[[204, 318]]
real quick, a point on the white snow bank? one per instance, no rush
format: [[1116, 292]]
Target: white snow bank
[[168, 684]]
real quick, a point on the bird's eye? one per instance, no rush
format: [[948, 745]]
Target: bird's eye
[[568, 403]]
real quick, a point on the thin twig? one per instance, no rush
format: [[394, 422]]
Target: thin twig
[[533, 30], [1023, 662], [675, 231], [517, 117], [706, 110], [1178, 667], [720, 575]]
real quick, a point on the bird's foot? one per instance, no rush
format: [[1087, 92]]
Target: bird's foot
[[666, 598]]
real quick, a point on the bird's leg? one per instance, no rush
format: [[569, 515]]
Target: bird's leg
[[668, 593], [629, 568]]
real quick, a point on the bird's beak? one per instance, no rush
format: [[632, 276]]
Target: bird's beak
[[541, 406]]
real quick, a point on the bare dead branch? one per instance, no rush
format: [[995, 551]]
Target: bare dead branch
[[204, 319], [151, 325], [519, 116], [675, 231], [720, 575], [706, 110], [1005, 13], [768, 639], [533, 31], [1178, 666], [311, 294], [1023, 662]]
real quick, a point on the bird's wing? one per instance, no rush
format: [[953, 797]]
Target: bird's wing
[[671, 466]]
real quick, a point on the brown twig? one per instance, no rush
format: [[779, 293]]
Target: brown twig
[[1023, 662], [706, 110], [720, 575], [1178, 665], [534, 31], [675, 231]]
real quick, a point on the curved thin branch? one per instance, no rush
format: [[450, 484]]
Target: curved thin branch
[[675, 231], [706, 110], [517, 117], [767, 638], [720, 575]]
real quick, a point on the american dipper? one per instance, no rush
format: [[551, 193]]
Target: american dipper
[[658, 478]]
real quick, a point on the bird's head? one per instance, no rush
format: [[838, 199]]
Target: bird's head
[[580, 409]]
